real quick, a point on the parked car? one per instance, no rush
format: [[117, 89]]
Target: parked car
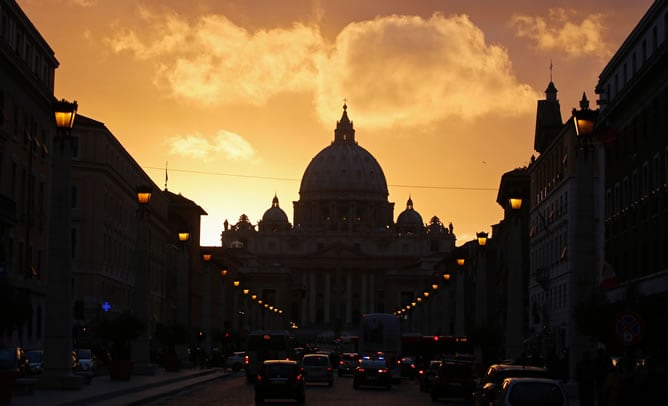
[[317, 368], [35, 361], [527, 391], [491, 382], [373, 372], [348, 362], [14, 359], [279, 379], [86, 360], [426, 375], [454, 378], [235, 361]]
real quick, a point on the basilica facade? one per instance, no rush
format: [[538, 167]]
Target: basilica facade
[[344, 255]]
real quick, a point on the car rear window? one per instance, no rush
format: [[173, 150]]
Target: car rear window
[[315, 361], [282, 370], [535, 393], [373, 363]]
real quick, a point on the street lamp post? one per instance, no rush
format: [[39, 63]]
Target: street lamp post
[[58, 334], [182, 281], [515, 283], [141, 351], [206, 304], [481, 282], [585, 236], [460, 309]]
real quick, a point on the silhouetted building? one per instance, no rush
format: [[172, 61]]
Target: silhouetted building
[[344, 256], [633, 98], [27, 128]]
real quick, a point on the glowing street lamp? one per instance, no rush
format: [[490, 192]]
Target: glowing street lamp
[[515, 203], [482, 238]]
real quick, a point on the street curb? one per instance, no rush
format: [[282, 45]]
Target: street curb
[[143, 393]]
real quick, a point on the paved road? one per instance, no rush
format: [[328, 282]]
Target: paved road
[[234, 390]]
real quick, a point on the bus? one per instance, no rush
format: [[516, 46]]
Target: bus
[[380, 335], [263, 345]]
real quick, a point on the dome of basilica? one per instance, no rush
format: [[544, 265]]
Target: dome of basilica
[[274, 218], [344, 170]]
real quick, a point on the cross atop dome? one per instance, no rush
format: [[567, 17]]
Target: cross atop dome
[[344, 131]]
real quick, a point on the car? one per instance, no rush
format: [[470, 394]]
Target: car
[[529, 391], [491, 382], [426, 375], [455, 378], [317, 368], [86, 360], [235, 361], [348, 361], [279, 379], [35, 361], [407, 367], [14, 359], [372, 372]]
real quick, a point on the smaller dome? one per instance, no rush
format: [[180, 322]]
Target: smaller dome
[[274, 218], [409, 220]]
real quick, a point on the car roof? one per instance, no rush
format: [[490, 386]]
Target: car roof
[[516, 367], [317, 354], [280, 362], [522, 379]]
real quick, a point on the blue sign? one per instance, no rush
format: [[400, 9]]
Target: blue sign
[[106, 307]]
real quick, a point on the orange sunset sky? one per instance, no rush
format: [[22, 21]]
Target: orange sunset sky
[[237, 97]]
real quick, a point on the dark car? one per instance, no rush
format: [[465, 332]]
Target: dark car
[[531, 391], [14, 359], [426, 375], [372, 372], [407, 367], [348, 362], [455, 378], [35, 361], [317, 368], [279, 379], [491, 382]]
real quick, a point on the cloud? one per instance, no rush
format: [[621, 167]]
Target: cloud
[[559, 32], [212, 60], [199, 146], [402, 69], [393, 69]]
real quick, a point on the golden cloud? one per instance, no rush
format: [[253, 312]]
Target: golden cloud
[[394, 69], [407, 69], [199, 146], [560, 33]]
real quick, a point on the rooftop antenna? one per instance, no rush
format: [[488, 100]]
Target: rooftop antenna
[[166, 176], [550, 69]]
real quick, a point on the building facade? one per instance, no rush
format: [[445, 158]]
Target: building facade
[[27, 128], [565, 232], [633, 99], [344, 256]]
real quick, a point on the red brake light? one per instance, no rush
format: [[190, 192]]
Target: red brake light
[[246, 361], [360, 369], [259, 377], [382, 371], [299, 377], [301, 369], [329, 369], [340, 362]]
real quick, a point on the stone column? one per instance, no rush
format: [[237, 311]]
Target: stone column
[[349, 298], [328, 298]]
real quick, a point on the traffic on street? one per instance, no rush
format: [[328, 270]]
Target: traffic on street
[[235, 390]]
